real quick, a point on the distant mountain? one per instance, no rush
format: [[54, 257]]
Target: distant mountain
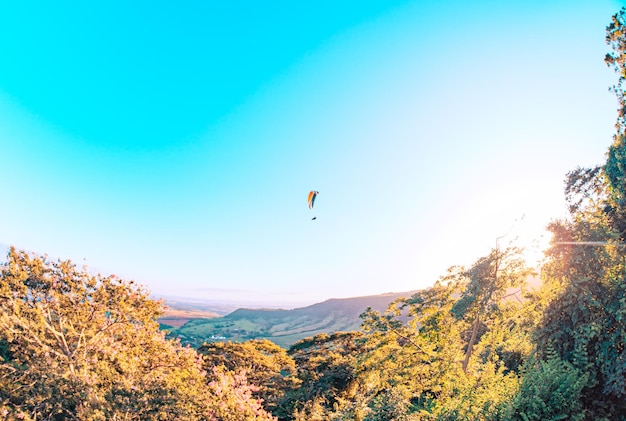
[[284, 327], [212, 308], [221, 306]]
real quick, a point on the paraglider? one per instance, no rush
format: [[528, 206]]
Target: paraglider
[[312, 195]]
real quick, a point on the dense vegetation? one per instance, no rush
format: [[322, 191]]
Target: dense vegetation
[[478, 345]]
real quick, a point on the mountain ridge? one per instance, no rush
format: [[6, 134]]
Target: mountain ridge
[[283, 326]]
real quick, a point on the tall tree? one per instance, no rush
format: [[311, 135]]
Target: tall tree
[[585, 272], [486, 284], [615, 166], [415, 345], [584, 321], [616, 39], [415, 349]]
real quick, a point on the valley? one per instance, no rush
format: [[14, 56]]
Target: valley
[[283, 327]]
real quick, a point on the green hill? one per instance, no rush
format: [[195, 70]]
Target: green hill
[[284, 327]]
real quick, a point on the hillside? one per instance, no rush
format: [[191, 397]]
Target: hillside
[[284, 327]]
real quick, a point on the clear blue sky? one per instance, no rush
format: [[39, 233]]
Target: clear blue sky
[[175, 143]]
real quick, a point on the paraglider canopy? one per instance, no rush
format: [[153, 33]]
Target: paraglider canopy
[[312, 195]]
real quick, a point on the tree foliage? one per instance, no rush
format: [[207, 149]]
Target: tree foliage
[[616, 59], [84, 347], [266, 366], [327, 371], [584, 322], [550, 390], [485, 285]]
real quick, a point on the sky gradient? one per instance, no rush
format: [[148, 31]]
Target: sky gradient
[[175, 143]]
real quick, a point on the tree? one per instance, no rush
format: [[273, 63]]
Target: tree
[[585, 272], [75, 346], [415, 350], [266, 365], [616, 39], [233, 397], [327, 370], [615, 167], [585, 321], [550, 390], [486, 284], [415, 346]]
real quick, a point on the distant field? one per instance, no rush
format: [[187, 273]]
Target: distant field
[[177, 318], [283, 331]]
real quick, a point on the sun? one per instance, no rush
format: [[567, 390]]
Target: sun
[[533, 239]]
